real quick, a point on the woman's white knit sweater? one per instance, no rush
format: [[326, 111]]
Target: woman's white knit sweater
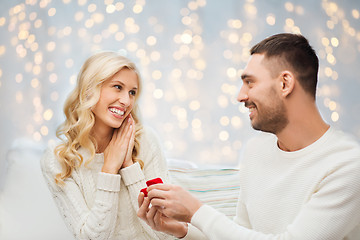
[[97, 205]]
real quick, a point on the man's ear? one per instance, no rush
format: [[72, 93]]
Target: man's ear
[[287, 81]]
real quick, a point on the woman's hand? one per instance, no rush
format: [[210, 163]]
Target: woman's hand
[[119, 150], [158, 221], [128, 158]]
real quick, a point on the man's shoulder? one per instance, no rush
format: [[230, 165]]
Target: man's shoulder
[[340, 149], [261, 144], [262, 139], [344, 142]]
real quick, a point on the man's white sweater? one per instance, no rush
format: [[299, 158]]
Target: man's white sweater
[[310, 194]]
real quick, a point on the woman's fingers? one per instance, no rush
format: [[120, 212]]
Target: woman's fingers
[[131, 142], [141, 199], [117, 152], [158, 221], [150, 217], [125, 124], [145, 213], [121, 137], [143, 206]]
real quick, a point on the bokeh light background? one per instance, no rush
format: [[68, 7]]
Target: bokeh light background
[[191, 54]]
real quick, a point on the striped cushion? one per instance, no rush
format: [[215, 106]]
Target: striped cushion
[[218, 188]]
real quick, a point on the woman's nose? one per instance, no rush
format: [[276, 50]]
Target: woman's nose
[[124, 99]]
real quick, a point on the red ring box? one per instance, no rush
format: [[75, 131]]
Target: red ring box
[[153, 181], [144, 190], [149, 183]]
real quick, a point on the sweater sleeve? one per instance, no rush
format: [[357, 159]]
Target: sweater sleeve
[[97, 222], [242, 217], [194, 234], [332, 213], [154, 166]]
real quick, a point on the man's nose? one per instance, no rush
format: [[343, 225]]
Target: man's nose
[[243, 94]]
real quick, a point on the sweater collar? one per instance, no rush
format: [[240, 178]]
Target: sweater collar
[[98, 158], [309, 149]]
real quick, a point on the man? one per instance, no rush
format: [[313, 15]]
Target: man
[[299, 178]]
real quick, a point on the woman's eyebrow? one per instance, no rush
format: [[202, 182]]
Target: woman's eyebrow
[[122, 84]]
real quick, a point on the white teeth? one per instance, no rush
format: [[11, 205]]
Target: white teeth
[[117, 111], [251, 109]]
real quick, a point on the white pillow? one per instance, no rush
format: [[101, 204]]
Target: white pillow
[[27, 210]]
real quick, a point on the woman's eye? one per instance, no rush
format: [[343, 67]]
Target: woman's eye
[[117, 87], [132, 92]]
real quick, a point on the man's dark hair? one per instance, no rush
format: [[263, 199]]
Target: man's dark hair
[[292, 51]]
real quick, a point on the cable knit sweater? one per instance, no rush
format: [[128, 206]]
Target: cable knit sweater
[[97, 205], [310, 194]]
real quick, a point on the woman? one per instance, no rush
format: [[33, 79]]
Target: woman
[[105, 156]]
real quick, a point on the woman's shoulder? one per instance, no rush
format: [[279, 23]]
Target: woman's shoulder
[[149, 140], [149, 135], [49, 163]]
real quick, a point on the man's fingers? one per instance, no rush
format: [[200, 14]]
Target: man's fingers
[[157, 194], [159, 203], [162, 186]]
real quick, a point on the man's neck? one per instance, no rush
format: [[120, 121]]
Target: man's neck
[[304, 128]]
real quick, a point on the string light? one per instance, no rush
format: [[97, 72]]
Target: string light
[[191, 72]]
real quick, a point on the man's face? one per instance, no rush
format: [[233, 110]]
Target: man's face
[[261, 94]]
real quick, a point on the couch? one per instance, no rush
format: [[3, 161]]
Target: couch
[[27, 210]]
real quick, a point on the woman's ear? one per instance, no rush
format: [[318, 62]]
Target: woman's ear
[[287, 81]]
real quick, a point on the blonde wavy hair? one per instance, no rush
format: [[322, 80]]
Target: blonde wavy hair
[[75, 131]]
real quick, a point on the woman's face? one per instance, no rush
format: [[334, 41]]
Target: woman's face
[[117, 98]]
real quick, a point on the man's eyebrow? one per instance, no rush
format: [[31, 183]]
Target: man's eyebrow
[[244, 76]]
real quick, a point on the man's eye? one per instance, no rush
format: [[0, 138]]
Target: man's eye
[[132, 92]]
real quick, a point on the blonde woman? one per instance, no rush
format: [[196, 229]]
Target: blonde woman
[[105, 155]]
